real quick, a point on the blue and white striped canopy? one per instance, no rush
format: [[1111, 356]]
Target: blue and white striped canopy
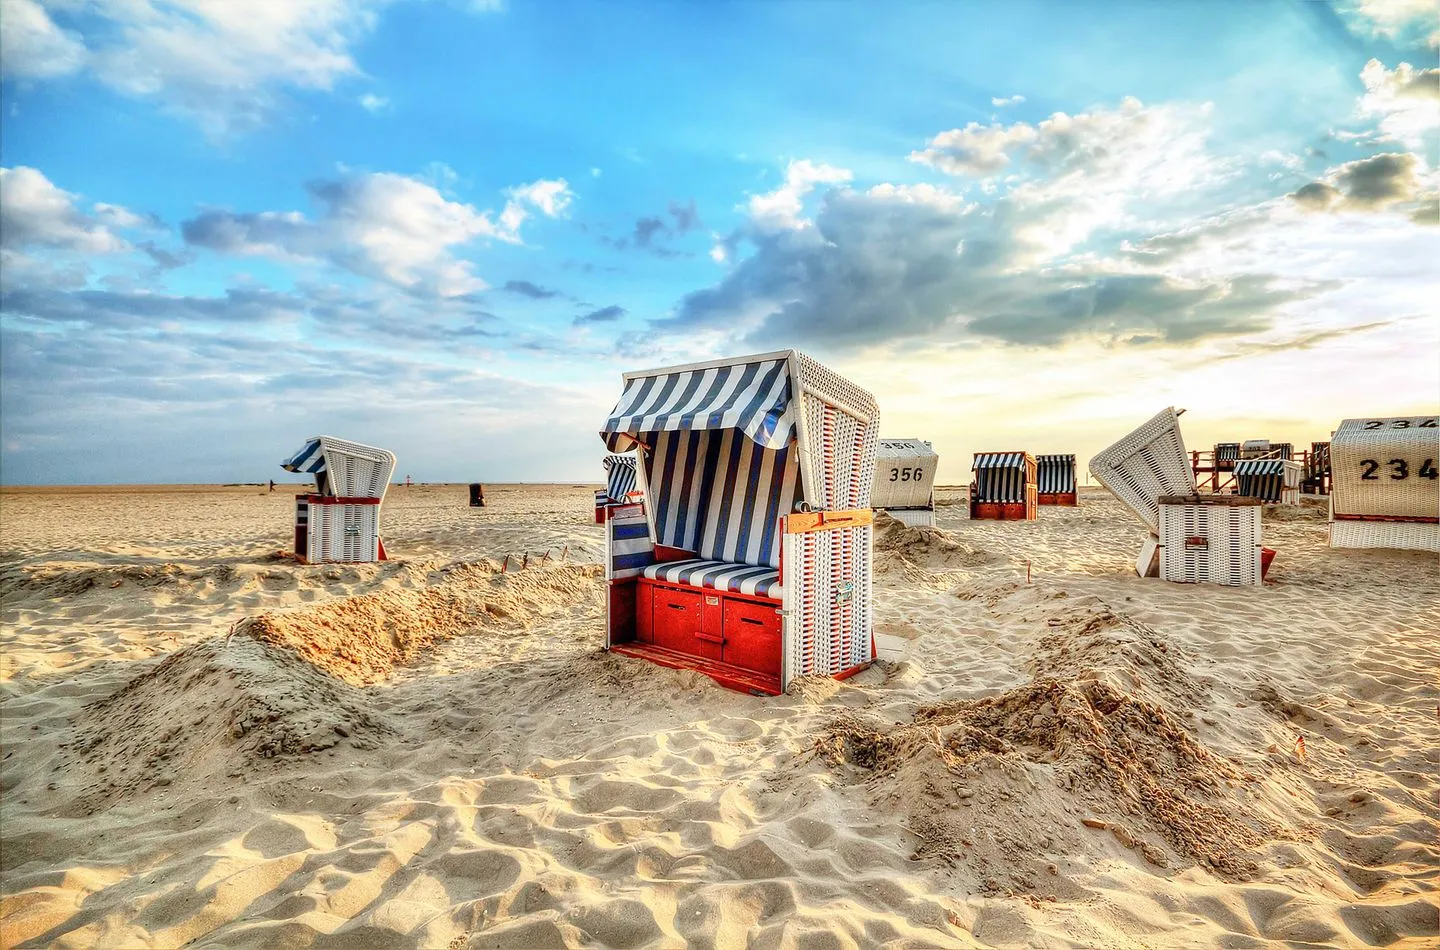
[[1260, 467], [753, 397], [308, 461], [1054, 474], [998, 460], [619, 476]]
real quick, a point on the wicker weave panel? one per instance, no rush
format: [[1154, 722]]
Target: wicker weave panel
[[1145, 465], [828, 612], [1210, 544], [843, 424], [1396, 446], [344, 533], [354, 470], [1396, 535]]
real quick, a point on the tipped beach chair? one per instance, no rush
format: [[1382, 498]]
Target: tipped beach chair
[[748, 557], [1384, 483], [620, 481], [340, 521], [905, 480], [1055, 480], [1274, 481], [1004, 487], [1194, 538]]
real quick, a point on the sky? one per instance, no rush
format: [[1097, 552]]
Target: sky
[[446, 227]]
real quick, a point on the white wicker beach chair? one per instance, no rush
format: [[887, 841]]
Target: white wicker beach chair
[[1385, 483], [905, 480], [341, 520]]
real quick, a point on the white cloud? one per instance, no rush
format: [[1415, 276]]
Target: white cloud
[[1401, 21], [551, 197], [781, 208], [32, 46], [974, 150], [373, 104], [594, 173], [35, 213], [390, 227], [1405, 101], [999, 102]]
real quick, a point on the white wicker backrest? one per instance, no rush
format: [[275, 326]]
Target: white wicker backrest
[[1145, 465], [842, 424], [354, 470], [1387, 467]]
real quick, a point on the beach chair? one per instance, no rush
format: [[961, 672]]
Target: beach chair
[[1274, 481], [340, 520], [748, 557], [620, 481], [1055, 480], [1140, 469], [905, 480], [1004, 487], [1384, 483]]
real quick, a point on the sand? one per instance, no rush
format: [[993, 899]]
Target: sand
[[206, 743]]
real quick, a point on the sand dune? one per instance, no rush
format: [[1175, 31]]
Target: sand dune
[[205, 743]]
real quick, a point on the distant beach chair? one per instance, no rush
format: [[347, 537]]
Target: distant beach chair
[[340, 521], [748, 558], [1384, 483], [620, 481], [1055, 480], [1004, 487], [905, 480], [1274, 481]]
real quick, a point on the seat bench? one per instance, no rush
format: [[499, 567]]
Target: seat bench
[[723, 576]]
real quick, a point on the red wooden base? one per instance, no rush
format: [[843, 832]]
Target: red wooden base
[[1065, 498], [726, 674], [1002, 511]]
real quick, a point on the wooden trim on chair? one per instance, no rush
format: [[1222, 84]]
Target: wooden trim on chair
[[827, 520]]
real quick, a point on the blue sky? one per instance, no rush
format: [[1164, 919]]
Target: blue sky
[[446, 226]]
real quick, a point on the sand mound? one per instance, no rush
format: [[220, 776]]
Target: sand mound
[[362, 639], [927, 547], [1093, 641], [207, 714], [1008, 786], [60, 579]]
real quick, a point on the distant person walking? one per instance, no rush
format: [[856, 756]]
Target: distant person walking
[[272, 484]]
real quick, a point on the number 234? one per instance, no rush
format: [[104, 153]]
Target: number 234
[[1399, 469]]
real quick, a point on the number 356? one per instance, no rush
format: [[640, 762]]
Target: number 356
[[1399, 469]]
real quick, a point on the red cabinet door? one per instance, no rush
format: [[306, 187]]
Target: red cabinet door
[[752, 636], [678, 623], [644, 612]]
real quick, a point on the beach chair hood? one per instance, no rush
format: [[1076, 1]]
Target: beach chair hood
[[751, 397]]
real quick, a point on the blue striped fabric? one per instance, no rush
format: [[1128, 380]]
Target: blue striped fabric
[[1054, 474], [719, 575], [999, 477], [1227, 451], [720, 494], [753, 398], [619, 476], [628, 548], [1273, 466], [309, 460]]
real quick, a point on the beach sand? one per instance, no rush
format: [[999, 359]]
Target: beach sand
[[204, 742]]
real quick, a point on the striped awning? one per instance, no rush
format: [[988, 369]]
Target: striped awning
[[308, 461], [619, 476], [1260, 467], [998, 460], [1055, 474], [753, 397]]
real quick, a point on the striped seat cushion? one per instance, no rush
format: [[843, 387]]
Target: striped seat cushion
[[719, 575]]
